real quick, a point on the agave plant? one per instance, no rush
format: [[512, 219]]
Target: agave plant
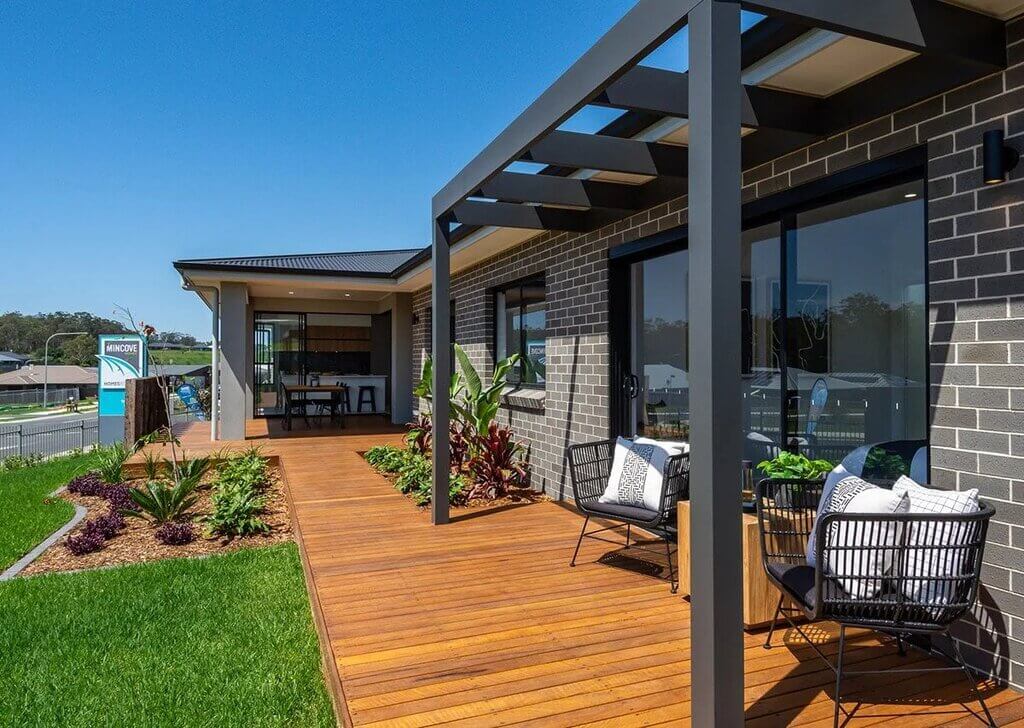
[[153, 464], [193, 468], [161, 502]]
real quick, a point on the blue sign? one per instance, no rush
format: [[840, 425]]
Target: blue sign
[[121, 357]]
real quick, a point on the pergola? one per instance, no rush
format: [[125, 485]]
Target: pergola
[[943, 46]]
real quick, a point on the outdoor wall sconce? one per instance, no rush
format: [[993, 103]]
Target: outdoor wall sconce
[[997, 158]]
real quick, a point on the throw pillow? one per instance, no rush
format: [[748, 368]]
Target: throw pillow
[[924, 562], [637, 474], [839, 472], [675, 447], [860, 554]]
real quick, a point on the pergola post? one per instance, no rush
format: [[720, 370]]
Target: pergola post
[[714, 334], [441, 348]]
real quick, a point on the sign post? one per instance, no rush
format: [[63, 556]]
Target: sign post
[[121, 357]]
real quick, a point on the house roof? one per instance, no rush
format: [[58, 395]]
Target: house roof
[[11, 356], [182, 370], [59, 374], [369, 263]]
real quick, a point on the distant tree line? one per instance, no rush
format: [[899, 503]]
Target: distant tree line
[[27, 334]]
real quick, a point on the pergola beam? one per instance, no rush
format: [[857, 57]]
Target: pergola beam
[[930, 27], [663, 92], [593, 151], [642, 29], [528, 217], [551, 190]]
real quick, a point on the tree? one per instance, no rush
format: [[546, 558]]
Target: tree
[[80, 350], [27, 333]]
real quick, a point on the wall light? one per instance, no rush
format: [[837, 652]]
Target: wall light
[[291, 293], [998, 159]]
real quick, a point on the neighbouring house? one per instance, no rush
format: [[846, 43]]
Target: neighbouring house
[[878, 265], [59, 376], [9, 361]]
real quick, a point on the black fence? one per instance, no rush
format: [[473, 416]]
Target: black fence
[[46, 438]]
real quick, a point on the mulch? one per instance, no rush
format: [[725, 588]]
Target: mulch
[[137, 544]]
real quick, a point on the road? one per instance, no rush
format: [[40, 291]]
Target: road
[[47, 436]]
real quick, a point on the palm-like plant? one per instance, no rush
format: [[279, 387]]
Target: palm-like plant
[[161, 502], [425, 388], [479, 404]]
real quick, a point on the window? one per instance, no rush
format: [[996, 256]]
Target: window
[[521, 328]]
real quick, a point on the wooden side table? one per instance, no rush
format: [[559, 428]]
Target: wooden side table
[[760, 597]]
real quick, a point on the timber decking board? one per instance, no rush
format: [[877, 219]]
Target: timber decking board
[[482, 622]]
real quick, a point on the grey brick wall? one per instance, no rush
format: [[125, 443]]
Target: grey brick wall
[[976, 268]]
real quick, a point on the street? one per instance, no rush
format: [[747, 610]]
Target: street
[[48, 436]]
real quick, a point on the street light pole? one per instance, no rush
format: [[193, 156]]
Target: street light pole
[[46, 358]]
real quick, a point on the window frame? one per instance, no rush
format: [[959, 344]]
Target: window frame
[[497, 295]]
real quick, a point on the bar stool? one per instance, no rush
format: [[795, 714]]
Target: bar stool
[[364, 390]]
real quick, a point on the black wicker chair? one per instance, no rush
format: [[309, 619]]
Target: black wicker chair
[[786, 511], [590, 465]]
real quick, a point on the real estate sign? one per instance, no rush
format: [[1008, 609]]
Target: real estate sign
[[121, 357]]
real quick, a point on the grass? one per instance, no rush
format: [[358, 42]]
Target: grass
[[27, 515], [180, 356], [226, 640], [11, 411]]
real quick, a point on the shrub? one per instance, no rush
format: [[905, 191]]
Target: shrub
[[238, 496], [413, 474], [161, 502], [119, 497], [250, 467], [456, 490], [193, 468], [110, 462], [88, 484], [17, 462], [387, 458], [497, 463], [794, 466], [419, 436], [174, 533], [106, 525], [85, 543], [236, 511]]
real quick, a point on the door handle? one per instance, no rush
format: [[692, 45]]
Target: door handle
[[632, 383]]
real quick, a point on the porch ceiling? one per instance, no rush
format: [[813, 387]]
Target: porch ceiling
[[811, 69]]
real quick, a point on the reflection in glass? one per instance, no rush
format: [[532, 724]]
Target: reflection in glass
[[855, 327], [277, 356], [522, 329]]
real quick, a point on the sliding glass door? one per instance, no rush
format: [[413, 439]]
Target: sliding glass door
[[279, 342], [833, 327]]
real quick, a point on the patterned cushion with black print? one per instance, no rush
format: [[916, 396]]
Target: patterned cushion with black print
[[637, 475]]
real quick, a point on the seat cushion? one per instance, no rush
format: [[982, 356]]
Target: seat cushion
[[617, 510], [798, 579]]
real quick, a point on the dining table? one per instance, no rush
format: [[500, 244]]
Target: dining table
[[301, 393]]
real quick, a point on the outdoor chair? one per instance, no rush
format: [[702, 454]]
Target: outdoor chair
[[786, 511], [590, 465]]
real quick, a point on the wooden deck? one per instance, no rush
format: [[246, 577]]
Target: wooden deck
[[483, 623]]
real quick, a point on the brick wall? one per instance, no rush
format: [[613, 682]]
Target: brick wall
[[976, 269]]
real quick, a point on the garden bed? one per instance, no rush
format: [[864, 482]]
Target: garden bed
[[136, 542]]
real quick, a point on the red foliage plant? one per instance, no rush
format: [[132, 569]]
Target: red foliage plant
[[497, 463]]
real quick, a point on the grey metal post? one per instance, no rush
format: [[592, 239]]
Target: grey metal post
[[715, 421], [46, 358], [441, 336]]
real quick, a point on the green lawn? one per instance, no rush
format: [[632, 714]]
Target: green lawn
[[177, 356], [26, 517], [222, 641]]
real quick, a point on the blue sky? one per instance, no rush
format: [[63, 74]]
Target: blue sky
[[138, 133]]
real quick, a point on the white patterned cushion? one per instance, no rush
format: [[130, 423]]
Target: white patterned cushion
[[675, 447], [926, 563], [861, 569], [638, 471]]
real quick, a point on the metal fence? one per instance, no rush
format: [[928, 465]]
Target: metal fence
[[46, 439], [28, 397]]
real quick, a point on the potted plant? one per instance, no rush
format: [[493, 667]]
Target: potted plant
[[793, 466]]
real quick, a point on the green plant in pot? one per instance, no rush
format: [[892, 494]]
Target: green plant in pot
[[793, 466]]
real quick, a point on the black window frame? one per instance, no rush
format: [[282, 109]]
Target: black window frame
[[504, 288]]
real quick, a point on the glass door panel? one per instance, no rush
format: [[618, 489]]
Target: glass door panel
[[278, 348], [661, 406], [856, 323], [761, 316]]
